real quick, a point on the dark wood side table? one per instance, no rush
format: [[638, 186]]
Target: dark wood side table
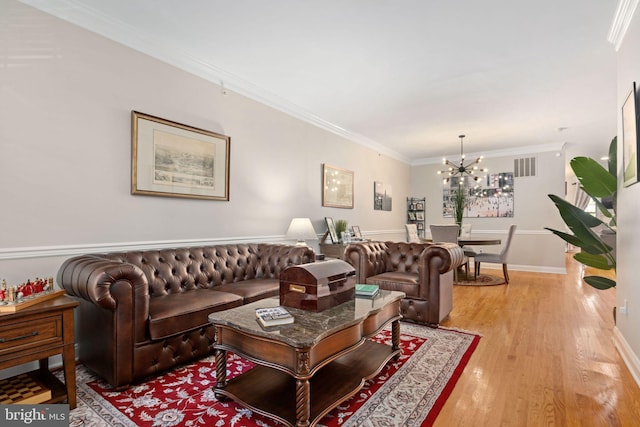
[[36, 333]]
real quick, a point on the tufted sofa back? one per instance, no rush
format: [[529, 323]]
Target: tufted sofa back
[[178, 270], [403, 257]]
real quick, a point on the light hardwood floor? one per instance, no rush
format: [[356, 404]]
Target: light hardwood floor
[[546, 357]]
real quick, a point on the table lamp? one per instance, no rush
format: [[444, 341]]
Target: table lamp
[[301, 229]]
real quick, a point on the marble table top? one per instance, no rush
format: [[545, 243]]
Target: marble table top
[[309, 327]]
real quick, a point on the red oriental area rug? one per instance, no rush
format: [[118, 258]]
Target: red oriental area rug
[[408, 392]]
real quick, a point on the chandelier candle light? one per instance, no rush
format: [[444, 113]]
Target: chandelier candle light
[[462, 169]]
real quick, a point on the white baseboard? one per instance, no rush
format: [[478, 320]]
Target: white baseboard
[[627, 354], [531, 268]]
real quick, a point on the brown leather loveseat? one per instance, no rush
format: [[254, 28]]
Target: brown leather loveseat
[[143, 312], [423, 271]]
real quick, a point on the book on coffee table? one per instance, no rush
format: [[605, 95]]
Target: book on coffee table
[[368, 291], [273, 316]]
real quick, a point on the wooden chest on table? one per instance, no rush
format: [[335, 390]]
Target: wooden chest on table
[[317, 286]]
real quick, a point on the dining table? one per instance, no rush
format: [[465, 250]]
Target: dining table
[[472, 241], [478, 241]]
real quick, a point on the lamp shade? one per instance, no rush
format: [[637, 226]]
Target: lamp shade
[[301, 229]]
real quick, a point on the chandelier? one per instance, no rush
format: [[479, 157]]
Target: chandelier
[[461, 169]]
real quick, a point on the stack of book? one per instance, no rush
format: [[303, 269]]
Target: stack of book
[[367, 291], [273, 316]]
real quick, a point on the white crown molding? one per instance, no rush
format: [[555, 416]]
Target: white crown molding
[[92, 20], [621, 21], [507, 152]]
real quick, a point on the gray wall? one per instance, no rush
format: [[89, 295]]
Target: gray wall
[[627, 332], [65, 100]]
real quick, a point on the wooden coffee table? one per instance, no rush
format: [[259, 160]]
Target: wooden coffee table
[[307, 368]]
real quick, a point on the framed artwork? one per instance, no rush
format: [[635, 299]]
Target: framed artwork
[[420, 226], [630, 138], [175, 160], [331, 226], [419, 206], [492, 197], [337, 187], [356, 232], [420, 216], [381, 196], [412, 216]]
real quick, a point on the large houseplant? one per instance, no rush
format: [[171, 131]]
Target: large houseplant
[[601, 185]]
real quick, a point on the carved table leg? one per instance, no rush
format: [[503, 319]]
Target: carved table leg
[[303, 403], [221, 373], [395, 337]]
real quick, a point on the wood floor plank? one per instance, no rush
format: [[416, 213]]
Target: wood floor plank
[[546, 357]]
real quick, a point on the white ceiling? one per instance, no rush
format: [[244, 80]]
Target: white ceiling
[[405, 77]]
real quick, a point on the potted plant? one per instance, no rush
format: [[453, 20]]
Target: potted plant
[[341, 227], [601, 185], [459, 203]]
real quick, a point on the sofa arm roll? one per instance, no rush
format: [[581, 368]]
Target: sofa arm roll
[[368, 259], [105, 283], [435, 260]]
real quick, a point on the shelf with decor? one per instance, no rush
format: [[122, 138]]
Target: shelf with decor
[[415, 213]]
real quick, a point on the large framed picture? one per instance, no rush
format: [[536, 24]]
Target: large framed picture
[[630, 151], [491, 197], [337, 187], [175, 160]]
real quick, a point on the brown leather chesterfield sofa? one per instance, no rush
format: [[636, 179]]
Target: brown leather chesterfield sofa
[[423, 271], [143, 312]]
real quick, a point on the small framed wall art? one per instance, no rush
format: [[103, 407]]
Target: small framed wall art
[[337, 187], [175, 160], [382, 198]]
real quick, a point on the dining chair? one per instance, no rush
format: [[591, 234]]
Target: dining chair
[[498, 258], [465, 230], [469, 251], [412, 233], [448, 233]]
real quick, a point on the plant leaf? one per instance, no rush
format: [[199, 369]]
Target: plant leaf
[[593, 260], [613, 156], [595, 179], [569, 238], [600, 282], [580, 223], [602, 208]]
